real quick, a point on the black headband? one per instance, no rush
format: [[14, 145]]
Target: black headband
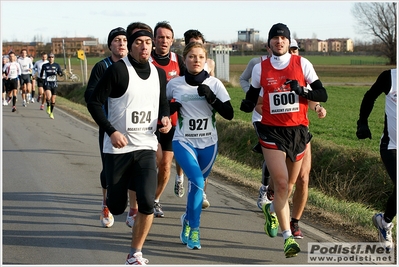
[[137, 34]]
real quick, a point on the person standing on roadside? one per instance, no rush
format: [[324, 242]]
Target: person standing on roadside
[[173, 66], [37, 69], [25, 79], [386, 83], [11, 72], [130, 143], [117, 44], [49, 75], [283, 130], [198, 97]]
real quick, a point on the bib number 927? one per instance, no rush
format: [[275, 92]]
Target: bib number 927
[[198, 124]]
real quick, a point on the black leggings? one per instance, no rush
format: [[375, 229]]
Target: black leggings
[[137, 168], [389, 159]]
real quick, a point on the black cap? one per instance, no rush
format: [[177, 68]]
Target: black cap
[[279, 29], [115, 32]]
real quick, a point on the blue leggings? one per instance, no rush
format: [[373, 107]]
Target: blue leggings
[[196, 164]]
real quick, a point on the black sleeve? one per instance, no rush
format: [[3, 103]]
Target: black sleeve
[[113, 84], [182, 66], [163, 101], [224, 109], [382, 85], [252, 94], [59, 70], [95, 75], [318, 92]]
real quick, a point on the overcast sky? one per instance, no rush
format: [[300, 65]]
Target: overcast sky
[[217, 20]]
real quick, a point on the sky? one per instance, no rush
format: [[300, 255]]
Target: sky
[[219, 21]]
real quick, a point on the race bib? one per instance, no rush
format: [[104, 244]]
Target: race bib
[[52, 78], [283, 102], [197, 128], [138, 121]]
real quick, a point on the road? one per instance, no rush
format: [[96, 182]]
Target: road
[[52, 200]]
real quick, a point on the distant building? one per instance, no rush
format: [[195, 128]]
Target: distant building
[[249, 35], [330, 45], [71, 45], [242, 46], [34, 48]]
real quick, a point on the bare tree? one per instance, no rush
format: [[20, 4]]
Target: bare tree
[[378, 19]]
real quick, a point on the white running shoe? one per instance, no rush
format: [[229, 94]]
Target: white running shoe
[[205, 202], [262, 198], [5, 103], [130, 219], [32, 100], [24, 103], [106, 217], [136, 259], [158, 212], [384, 231], [179, 189]]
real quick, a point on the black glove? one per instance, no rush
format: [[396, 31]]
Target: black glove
[[204, 90], [299, 90], [174, 106], [363, 130], [247, 106]]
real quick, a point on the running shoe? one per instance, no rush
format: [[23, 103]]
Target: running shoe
[[51, 115], [384, 231], [130, 219], [5, 103], [205, 202], [24, 103], [262, 198], [179, 189], [9, 100], [291, 247], [136, 259], [270, 194], [158, 210], [106, 217], [41, 107], [38, 99], [14, 109], [194, 239], [271, 221], [48, 110], [32, 100], [185, 231], [296, 232]]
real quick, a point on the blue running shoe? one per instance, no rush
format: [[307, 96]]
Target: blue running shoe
[[185, 230], [194, 239]]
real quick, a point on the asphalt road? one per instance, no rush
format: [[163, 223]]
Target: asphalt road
[[52, 201]]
